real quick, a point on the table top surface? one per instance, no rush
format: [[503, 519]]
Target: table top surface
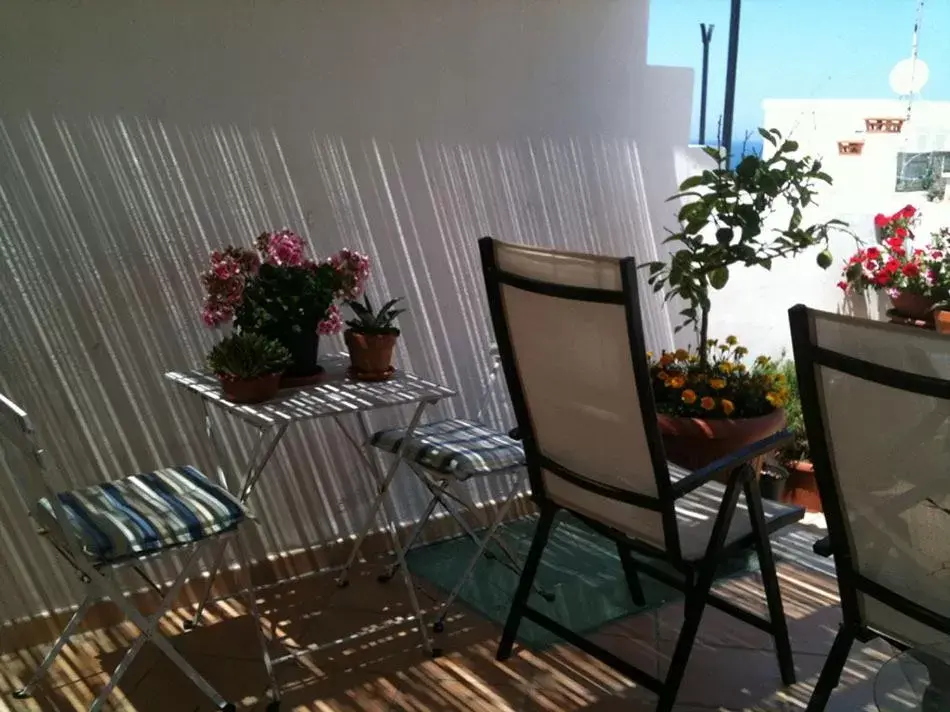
[[918, 679], [335, 394]]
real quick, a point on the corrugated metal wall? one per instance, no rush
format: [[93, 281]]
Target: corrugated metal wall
[[105, 224]]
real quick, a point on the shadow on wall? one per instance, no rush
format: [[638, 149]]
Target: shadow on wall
[[106, 224]]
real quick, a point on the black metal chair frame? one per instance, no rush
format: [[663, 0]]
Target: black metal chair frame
[[851, 583], [694, 578]]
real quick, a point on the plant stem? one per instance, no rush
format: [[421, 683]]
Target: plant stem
[[704, 339]]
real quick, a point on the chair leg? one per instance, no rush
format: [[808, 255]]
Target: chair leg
[[633, 578], [220, 548], [831, 671], [57, 648], [251, 595], [525, 583], [699, 593], [773, 593]]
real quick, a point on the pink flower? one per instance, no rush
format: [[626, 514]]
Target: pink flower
[[283, 248], [332, 323], [352, 271], [843, 286]]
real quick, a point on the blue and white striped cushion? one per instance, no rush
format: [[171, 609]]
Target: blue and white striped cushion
[[146, 512], [461, 448]]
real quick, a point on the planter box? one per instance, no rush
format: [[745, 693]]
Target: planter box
[[850, 148], [883, 125]]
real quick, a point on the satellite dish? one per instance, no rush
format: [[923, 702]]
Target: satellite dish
[[909, 76]]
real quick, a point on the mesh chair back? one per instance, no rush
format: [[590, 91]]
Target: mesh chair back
[[876, 399], [569, 332]]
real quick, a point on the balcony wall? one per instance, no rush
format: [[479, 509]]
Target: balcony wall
[[137, 136]]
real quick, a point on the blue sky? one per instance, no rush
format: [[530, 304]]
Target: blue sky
[[800, 49]]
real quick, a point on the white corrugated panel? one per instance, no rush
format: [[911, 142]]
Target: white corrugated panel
[[105, 224]]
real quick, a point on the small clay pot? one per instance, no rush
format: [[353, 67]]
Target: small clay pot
[[371, 355], [255, 390], [942, 321], [801, 487], [914, 306]]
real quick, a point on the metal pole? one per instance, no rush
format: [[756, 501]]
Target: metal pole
[[728, 110], [707, 38]]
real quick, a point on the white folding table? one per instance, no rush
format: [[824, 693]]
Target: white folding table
[[337, 397]]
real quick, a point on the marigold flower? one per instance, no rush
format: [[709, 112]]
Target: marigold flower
[[775, 399], [663, 375], [762, 360], [688, 396], [728, 406], [707, 403], [676, 382], [732, 340], [741, 368], [741, 351], [717, 383], [666, 359], [681, 354], [725, 367]]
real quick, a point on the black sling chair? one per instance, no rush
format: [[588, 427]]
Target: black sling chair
[[570, 335], [876, 403]]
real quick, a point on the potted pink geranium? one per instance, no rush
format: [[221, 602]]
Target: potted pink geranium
[[275, 290]]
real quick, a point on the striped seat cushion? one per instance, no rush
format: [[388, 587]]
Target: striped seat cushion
[[461, 448], [145, 512]]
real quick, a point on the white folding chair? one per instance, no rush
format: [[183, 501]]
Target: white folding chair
[[570, 333], [876, 401], [119, 524], [444, 455]]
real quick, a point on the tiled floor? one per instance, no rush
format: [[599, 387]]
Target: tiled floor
[[371, 661]]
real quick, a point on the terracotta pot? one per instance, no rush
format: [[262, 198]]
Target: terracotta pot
[[695, 442], [915, 306], [371, 355], [801, 487], [942, 321], [256, 390]]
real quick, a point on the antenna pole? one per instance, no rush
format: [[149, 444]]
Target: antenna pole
[[913, 54], [707, 38], [728, 111]]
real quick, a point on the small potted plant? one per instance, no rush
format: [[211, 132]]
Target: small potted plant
[[371, 338], [249, 366], [801, 488]]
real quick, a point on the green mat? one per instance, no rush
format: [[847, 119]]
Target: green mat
[[580, 567]]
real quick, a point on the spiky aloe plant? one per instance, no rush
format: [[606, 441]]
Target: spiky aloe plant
[[368, 321]]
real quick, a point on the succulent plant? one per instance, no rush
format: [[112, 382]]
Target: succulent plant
[[368, 321], [246, 356]]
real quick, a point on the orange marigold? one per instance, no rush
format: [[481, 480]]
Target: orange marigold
[[717, 383], [688, 396], [676, 382], [707, 403], [728, 406]]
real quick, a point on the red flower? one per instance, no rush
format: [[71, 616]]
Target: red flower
[[873, 253], [881, 220], [843, 286], [895, 243], [936, 254], [881, 278], [892, 266], [900, 232], [908, 212], [911, 269]]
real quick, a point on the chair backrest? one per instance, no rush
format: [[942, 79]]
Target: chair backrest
[[876, 402], [570, 336], [29, 470]]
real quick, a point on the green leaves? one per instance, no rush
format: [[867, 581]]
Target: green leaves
[[368, 321], [718, 277], [246, 355]]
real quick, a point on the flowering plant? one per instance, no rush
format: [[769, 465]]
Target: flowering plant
[[724, 388], [275, 286], [896, 266]]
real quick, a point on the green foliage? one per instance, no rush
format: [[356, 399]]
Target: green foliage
[[286, 299], [246, 356], [737, 203], [368, 321], [794, 420]]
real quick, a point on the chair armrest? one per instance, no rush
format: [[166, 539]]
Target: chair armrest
[[514, 434], [730, 462], [822, 547]]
